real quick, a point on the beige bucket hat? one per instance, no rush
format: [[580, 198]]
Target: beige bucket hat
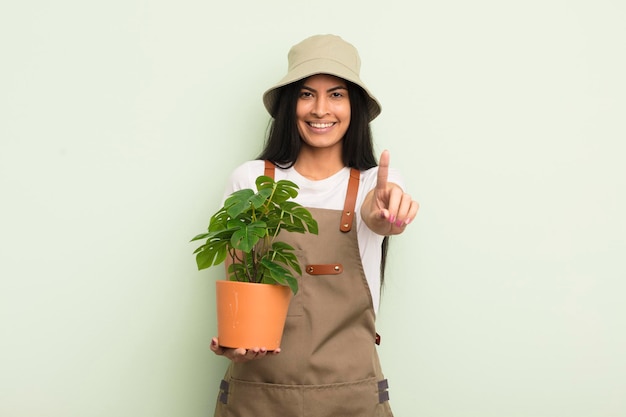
[[322, 54]]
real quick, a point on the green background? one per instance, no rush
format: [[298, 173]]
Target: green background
[[121, 120]]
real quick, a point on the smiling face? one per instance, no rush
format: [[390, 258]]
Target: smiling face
[[323, 111]]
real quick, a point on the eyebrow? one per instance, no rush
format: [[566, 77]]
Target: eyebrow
[[330, 90]]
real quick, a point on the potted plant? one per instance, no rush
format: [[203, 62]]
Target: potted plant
[[244, 232]]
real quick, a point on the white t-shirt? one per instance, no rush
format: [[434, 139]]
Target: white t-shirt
[[329, 193]]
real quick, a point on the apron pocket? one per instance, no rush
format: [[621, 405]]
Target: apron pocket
[[248, 399], [351, 399]]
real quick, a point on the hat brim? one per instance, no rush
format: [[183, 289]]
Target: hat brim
[[312, 67]]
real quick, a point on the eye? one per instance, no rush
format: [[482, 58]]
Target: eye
[[339, 94], [305, 94]]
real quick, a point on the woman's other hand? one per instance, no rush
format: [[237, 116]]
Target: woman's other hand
[[241, 354]]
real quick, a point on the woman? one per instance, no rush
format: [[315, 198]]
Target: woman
[[320, 139]]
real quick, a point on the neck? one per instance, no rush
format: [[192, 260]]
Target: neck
[[318, 164]]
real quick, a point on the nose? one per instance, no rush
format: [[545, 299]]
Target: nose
[[320, 109]]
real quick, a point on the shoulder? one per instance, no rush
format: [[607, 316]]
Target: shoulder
[[244, 176]]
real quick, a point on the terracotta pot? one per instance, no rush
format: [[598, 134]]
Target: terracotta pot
[[251, 315]]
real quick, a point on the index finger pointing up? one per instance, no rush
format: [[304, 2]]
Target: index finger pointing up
[[383, 171]]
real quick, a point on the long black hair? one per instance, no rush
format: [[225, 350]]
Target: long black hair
[[283, 142]]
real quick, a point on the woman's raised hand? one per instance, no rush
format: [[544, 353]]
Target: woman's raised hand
[[387, 209]]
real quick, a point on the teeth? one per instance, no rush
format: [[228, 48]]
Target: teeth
[[321, 125]]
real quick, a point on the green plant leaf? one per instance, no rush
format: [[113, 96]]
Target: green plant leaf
[[260, 198], [293, 284], [282, 253], [264, 182], [297, 218], [211, 253], [238, 202], [248, 235], [245, 228], [218, 220], [284, 190], [219, 234], [201, 236], [278, 275]]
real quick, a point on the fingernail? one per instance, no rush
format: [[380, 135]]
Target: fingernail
[[392, 219], [399, 223], [407, 221]]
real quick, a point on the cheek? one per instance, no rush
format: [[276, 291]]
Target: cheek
[[302, 108], [345, 112], [300, 117], [347, 118], [300, 128]]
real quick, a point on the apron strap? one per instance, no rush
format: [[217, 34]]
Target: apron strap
[[348, 208], [270, 168], [350, 204]]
